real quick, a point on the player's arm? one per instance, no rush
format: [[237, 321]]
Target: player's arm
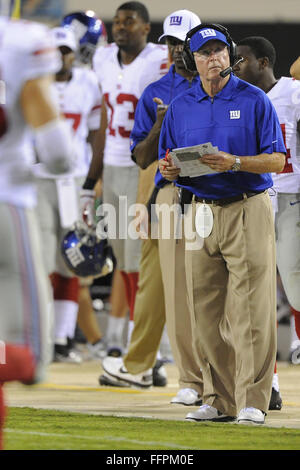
[[98, 143], [87, 194], [145, 151], [295, 69], [36, 103], [42, 115]]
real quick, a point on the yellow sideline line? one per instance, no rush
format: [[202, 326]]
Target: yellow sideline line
[[82, 388], [128, 391], [16, 13]]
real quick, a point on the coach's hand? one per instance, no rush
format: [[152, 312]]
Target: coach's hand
[[168, 170], [220, 161], [160, 110]]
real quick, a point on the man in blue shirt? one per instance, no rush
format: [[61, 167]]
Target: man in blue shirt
[[149, 315], [231, 274]]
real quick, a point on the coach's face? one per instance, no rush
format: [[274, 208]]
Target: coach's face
[[129, 30], [248, 70], [211, 59]]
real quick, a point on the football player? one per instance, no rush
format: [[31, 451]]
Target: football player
[[79, 100], [124, 68], [28, 60], [258, 69], [90, 33]]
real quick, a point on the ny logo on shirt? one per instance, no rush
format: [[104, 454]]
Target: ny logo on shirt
[[235, 114]]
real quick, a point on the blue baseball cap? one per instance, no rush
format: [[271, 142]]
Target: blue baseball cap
[[203, 36]]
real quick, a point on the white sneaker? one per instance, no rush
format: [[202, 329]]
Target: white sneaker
[[251, 416], [114, 367], [187, 397], [71, 357], [97, 351], [208, 413], [295, 356], [106, 379]]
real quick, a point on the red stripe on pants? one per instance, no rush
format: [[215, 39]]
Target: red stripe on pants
[[131, 287], [296, 314]]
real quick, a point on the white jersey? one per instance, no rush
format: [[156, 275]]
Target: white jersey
[[80, 103], [27, 51], [122, 86], [285, 96]]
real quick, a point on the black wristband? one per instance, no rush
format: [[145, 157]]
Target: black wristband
[[89, 183]]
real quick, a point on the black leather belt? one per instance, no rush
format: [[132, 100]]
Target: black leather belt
[[227, 200]]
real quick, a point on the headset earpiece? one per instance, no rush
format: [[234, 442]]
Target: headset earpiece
[[187, 55]]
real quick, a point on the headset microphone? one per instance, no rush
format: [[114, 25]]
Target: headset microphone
[[227, 71]]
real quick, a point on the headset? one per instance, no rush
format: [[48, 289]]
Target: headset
[[188, 57]]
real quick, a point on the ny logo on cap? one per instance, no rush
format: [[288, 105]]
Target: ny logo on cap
[[175, 20], [61, 34], [207, 32]]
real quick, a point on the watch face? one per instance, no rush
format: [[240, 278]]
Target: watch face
[[237, 165]]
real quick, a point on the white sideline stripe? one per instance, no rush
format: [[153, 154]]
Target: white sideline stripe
[[102, 438]]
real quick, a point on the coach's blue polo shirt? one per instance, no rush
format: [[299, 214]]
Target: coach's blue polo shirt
[[240, 120], [167, 88]]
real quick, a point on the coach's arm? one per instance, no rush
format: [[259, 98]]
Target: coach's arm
[[146, 151]]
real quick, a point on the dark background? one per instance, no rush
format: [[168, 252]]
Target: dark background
[[284, 36]]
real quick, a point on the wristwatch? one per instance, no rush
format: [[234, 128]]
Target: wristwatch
[[237, 164]]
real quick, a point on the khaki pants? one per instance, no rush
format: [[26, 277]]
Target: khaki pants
[[179, 327], [149, 312], [231, 284], [162, 297]]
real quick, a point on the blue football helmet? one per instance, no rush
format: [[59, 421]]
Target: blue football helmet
[[85, 254], [90, 32]]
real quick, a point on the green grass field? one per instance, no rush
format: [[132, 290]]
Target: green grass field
[[32, 429]]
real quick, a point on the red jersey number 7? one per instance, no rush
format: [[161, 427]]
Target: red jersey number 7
[[75, 118]]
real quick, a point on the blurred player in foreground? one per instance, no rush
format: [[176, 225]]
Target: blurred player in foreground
[[28, 58]]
